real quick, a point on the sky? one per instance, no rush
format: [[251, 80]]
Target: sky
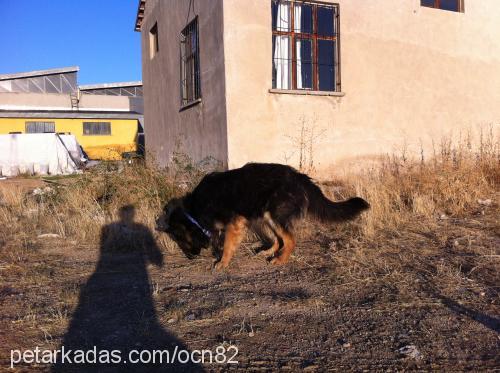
[[96, 35]]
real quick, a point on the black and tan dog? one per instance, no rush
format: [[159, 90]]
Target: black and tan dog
[[275, 194]]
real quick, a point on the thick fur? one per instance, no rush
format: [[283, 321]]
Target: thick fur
[[277, 194]]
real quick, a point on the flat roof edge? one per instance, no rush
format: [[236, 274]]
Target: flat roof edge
[[69, 114], [110, 85]]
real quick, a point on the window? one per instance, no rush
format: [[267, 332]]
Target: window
[[154, 47], [190, 64], [40, 127], [96, 128], [305, 45], [452, 5]]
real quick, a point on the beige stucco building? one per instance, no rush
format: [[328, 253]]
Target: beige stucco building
[[328, 82]]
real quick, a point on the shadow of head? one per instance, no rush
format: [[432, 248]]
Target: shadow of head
[[175, 222], [127, 214]]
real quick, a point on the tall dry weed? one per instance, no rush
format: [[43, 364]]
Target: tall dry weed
[[449, 184]]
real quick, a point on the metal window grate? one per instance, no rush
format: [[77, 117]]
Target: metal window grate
[[40, 127], [190, 63], [306, 45], [96, 128]]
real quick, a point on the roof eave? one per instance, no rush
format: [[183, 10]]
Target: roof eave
[[140, 15], [68, 114]]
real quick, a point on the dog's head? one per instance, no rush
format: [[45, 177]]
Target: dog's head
[[185, 233]]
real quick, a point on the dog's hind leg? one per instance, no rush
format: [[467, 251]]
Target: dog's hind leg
[[272, 250], [235, 232], [277, 241], [288, 246]]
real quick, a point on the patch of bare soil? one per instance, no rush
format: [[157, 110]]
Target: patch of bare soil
[[22, 185], [424, 299]]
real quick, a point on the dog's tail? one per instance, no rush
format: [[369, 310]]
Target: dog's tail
[[325, 210]]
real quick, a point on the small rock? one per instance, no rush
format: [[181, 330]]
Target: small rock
[[484, 202], [456, 243], [42, 191], [346, 345], [171, 321], [251, 334], [30, 212], [49, 235], [411, 351], [482, 293], [443, 217]]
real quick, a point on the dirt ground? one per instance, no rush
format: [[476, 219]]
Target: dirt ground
[[424, 299]]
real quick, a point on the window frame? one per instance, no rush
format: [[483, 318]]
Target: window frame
[[154, 46], [314, 37], [96, 134], [36, 124], [190, 85], [437, 5]]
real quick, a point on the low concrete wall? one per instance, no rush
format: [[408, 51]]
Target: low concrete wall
[[40, 101], [53, 101]]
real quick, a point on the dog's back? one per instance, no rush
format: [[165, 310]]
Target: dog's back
[[257, 188]]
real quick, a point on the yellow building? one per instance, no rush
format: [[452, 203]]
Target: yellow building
[[104, 118], [102, 135]]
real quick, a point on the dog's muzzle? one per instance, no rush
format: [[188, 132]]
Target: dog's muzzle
[[161, 223]]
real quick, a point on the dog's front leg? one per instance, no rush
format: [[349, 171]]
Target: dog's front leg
[[235, 232]]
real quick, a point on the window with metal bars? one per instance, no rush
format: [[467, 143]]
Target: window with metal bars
[[305, 45], [96, 128], [190, 64], [451, 5], [40, 127]]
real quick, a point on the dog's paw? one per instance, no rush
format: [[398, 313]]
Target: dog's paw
[[266, 252], [277, 261], [219, 266]]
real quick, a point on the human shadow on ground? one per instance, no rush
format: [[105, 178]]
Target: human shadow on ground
[[116, 310]]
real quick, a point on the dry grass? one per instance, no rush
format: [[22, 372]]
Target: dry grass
[[77, 207], [400, 191]]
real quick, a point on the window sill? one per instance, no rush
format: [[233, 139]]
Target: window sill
[[189, 104], [306, 92]]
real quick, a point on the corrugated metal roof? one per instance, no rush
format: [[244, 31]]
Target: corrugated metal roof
[[30, 74]]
